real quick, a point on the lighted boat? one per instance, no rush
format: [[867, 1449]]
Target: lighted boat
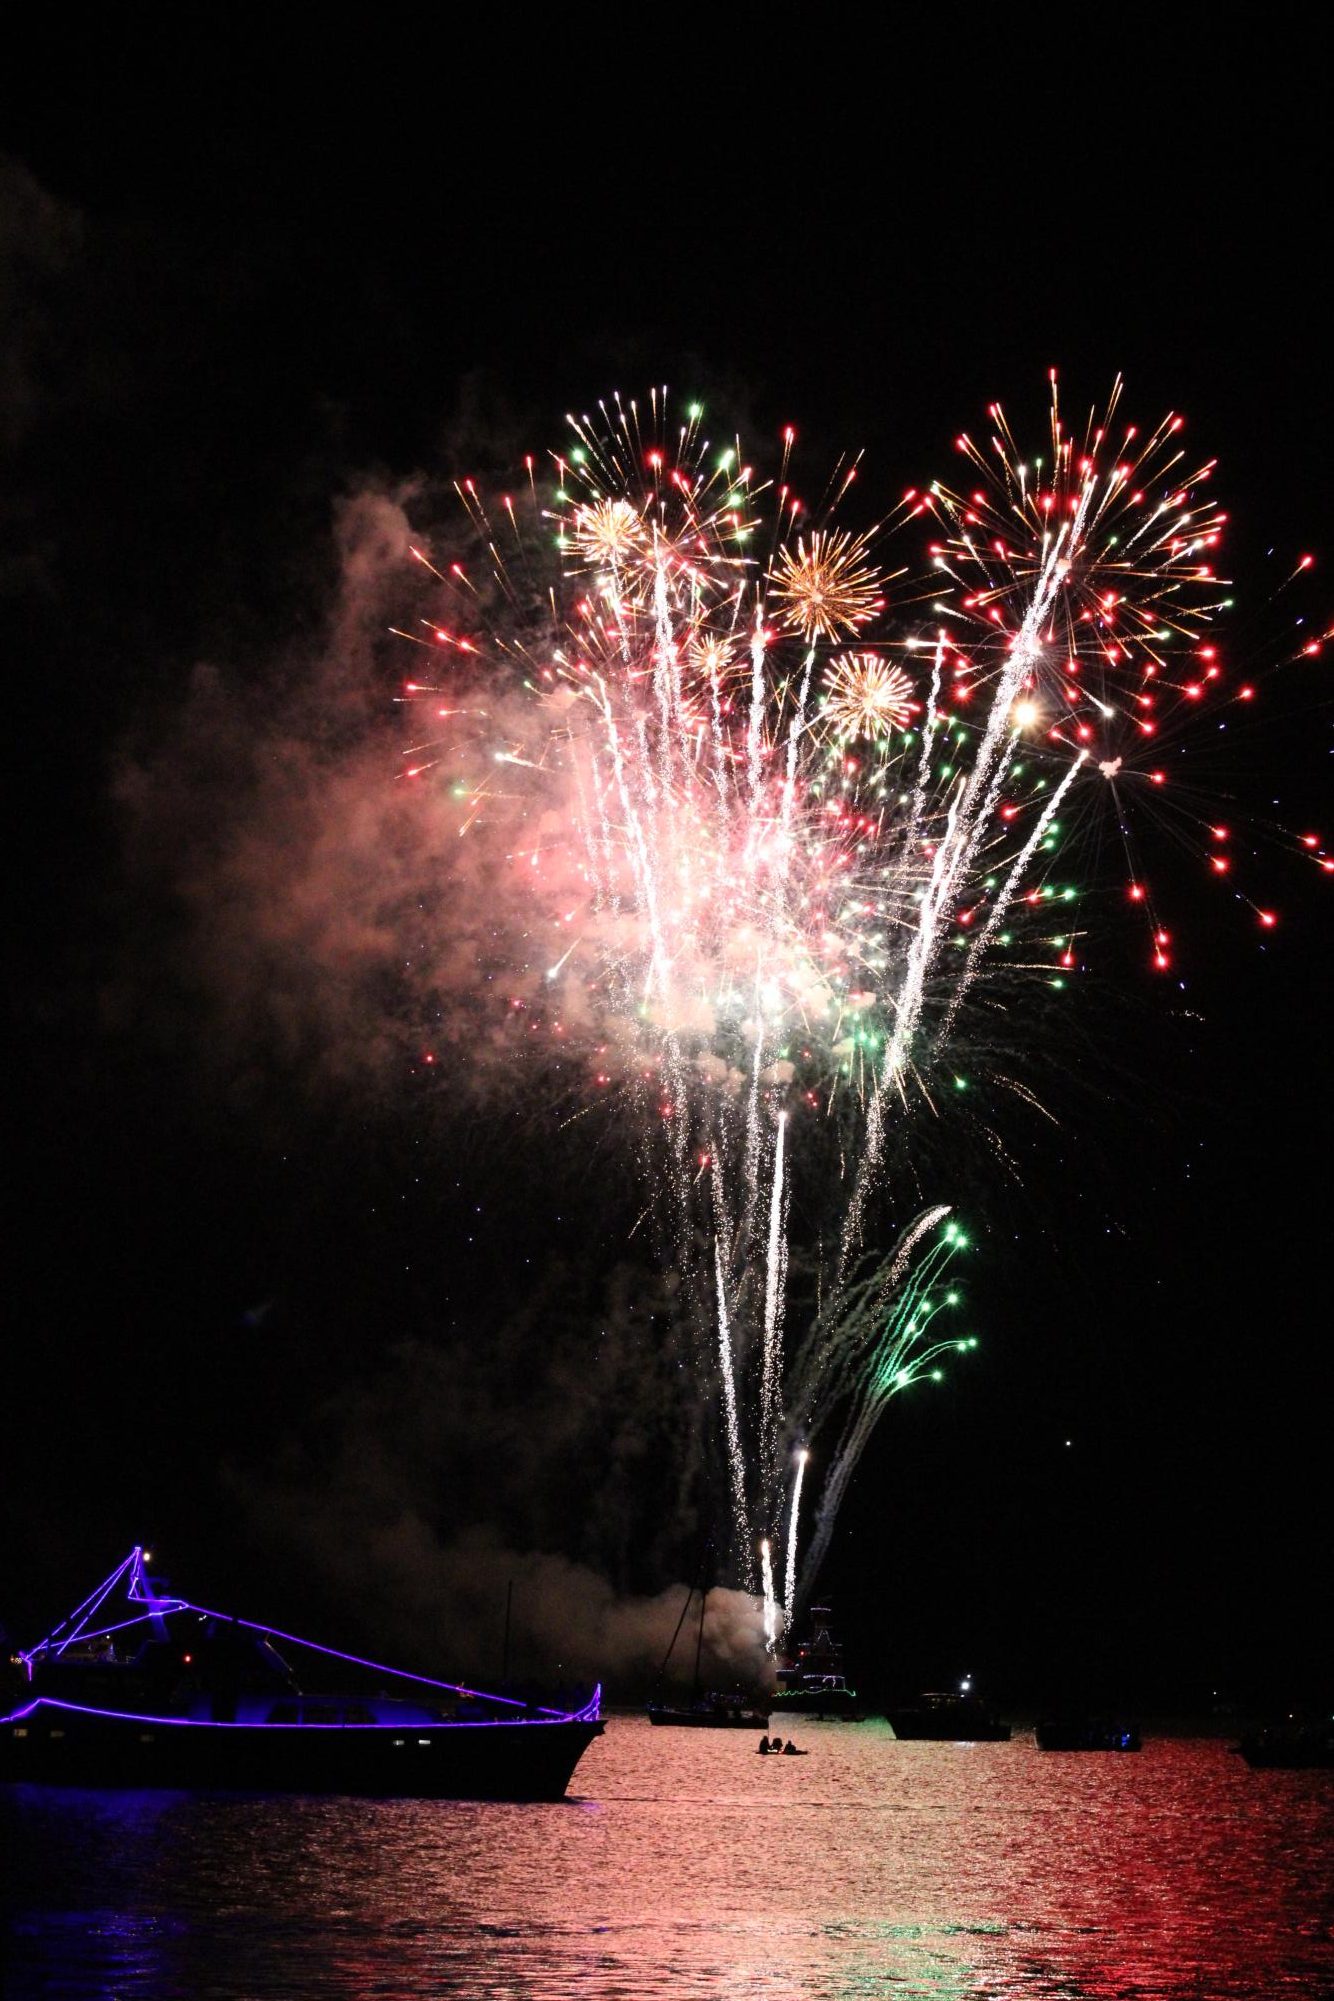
[[812, 1682], [140, 1688], [948, 1716]]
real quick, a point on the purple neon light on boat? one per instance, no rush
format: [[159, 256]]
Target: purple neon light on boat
[[544, 1721], [77, 1629], [202, 1700]]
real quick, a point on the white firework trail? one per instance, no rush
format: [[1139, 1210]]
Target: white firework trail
[[727, 1370], [773, 1616], [774, 1293], [767, 967], [793, 1520]]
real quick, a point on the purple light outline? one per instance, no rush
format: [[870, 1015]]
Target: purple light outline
[[588, 1714], [376, 1667], [139, 1591], [97, 1594], [89, 1605], [105, 1632], [88, 1610]]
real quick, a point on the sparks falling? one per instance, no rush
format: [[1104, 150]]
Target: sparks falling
[[771, 860]]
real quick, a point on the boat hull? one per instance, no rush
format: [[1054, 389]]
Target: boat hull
[[1085, 1735], [1289, 1749], [703, 1719], [914, 1726], [52, 1744]]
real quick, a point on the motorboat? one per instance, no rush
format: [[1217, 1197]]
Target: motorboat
[[948, 1716], [812, 1682], [1070, 1731], [1290, 1746]]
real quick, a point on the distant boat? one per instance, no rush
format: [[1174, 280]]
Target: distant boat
[[709, 1712], [812, 1682], [948, 1716], [706, 1709], [140, 1689], [1290, 1746], [1079, 1732]]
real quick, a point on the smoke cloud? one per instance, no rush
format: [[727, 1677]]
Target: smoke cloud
[[554, 1457], [310, 916]]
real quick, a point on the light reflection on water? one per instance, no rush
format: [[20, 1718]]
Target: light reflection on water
[[686, 1866]]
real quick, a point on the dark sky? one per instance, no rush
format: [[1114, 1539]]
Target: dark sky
[[229, 301]]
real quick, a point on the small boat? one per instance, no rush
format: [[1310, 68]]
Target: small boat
[[706, 1709], [948, 1716], [1290, 1746], [812, 1682], [1079, 1732], [141, 1689]]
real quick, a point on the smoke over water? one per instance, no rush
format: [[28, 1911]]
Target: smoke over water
[[674, 857], [313, 931], [554, 1451], [447, 1602]]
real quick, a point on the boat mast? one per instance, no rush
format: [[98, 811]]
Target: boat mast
[[505, 1655]]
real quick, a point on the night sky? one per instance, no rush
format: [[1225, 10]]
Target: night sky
[[229, 303]]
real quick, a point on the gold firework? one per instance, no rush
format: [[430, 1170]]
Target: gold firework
[[826, 586], [713, 658], [607, 531], [865, 696]]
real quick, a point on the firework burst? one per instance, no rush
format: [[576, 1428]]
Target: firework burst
[[826, 587], [760, 892], [607, 532], [864, 695]]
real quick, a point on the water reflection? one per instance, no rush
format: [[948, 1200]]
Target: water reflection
[[692, 1868]]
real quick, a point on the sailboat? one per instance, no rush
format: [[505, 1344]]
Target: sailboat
[[707, 1709], [140, 1688]]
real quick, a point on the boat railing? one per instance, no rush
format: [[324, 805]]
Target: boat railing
[[79, 1632]]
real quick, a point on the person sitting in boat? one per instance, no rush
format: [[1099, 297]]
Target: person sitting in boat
[[790, 1750], [764, 1747]]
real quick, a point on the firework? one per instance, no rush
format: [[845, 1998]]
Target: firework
[[865, 695], [607, 532], [762, 889], [826, 587]]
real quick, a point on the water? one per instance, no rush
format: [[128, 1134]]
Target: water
[[684, 1865]]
